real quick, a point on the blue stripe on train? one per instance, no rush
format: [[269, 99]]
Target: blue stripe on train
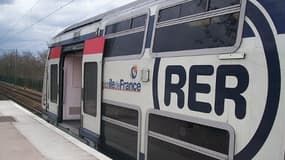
[[83, 132], [276, 10], [274, 84], [149, 31], [247, 31]]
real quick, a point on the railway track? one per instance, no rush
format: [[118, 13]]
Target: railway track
[[28, 98]]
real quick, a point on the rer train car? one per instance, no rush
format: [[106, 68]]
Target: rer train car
[[173, 80]]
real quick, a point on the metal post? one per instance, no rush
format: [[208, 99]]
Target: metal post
[[15, 69]]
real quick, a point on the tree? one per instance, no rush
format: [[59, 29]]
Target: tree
[[25, 68]]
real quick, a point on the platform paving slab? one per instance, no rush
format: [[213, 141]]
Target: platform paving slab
[[31, 138], [14, 146]]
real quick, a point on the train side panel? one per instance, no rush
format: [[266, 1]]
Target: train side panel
[[222, 97]]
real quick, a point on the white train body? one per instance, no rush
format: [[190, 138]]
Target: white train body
[[175, 80]]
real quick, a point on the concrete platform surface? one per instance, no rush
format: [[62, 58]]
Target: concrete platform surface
[[15, 146], [24, 136]]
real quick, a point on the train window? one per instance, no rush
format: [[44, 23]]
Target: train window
[[90, 88], [130, 44], [159, 149], [125, 43], [169, 13], [110, 29], [217, 4], [208, 31], [121, 114], [126, 25], [53, 83], [196, 134], [186, 138], [122, 26], [185, 9], [220, 31], [120, 130], [118, 142], [193, 7], [139, 21]]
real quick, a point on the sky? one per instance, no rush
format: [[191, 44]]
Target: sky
[[18, 20]]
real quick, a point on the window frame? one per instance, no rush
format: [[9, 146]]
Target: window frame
[[57, 87], [125, 125], [127, 32], [194, 17], [215, 124], [84, 87]]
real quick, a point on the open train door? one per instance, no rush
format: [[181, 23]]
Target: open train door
[[92, 89], [53, 84]]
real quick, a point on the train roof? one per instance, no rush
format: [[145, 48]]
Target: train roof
[[99, 17]]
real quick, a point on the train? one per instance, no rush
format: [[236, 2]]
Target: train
[[173, 80]]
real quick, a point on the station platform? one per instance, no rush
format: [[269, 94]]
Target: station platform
[[25, 136]]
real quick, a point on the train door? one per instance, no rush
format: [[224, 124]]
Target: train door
[[70, 88], [92, 89], [53, 83]]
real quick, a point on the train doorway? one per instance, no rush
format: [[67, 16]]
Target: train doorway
[[80, 93], [70, 88]]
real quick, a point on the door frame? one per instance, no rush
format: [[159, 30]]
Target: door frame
[[54, 59], [90, 125]]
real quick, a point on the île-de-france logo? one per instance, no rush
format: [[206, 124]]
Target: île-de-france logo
[[134, 72]]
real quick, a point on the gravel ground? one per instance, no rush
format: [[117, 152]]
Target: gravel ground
[[2, 97]]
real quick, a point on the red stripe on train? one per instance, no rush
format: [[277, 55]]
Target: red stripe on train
[[94, 46], [55, 52]]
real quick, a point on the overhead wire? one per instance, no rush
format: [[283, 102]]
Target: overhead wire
[[19, 20], [43, 18]]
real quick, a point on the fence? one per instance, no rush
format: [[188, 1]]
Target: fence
[[27, 83]]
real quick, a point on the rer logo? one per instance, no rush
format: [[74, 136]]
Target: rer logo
[[134, 72], [222, 92]]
